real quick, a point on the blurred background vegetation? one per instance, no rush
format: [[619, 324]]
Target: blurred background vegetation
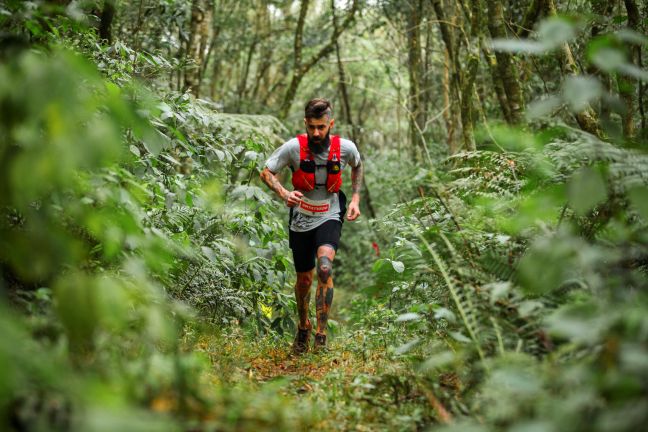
[[497, 280]]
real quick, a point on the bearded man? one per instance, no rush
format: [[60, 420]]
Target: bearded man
[[317, 210]]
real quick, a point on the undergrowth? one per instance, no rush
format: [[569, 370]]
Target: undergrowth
[[149, 286]]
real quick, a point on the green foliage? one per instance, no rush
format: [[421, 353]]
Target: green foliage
[[507, 290], [523, 268], [112, 204]]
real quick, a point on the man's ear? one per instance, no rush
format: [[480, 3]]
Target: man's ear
[[332, 123]]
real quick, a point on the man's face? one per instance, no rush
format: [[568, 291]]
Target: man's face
[[318, 129]]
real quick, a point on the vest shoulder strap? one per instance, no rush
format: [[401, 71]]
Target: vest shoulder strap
[[334, 149], [304, 151]]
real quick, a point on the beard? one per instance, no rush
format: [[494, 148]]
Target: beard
[[319, 145]]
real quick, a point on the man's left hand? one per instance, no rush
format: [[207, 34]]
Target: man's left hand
[[353, 212]]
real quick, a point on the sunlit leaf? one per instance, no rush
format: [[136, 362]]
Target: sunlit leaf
[[398, 266], [608, 59], [521, 46], [444, 313], [555, 31], [438, 360], [629, 35], [633, 71], [409, 316], [580, 91], [460, 337], [543, 107], [406, 347]]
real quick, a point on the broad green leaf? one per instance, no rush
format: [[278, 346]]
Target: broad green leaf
[[398, 266], [585, 189], [76, 306], [581, 323], [135, 150], [547, 264], [639, 199]]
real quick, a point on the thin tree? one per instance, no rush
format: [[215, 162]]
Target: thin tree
[[347, 110], [197, 46], [415, 69], [505, 63], [627, 85], [301, 67]]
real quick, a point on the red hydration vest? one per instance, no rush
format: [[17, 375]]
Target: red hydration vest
[[303, 178]]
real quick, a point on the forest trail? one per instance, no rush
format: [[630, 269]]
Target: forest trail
[[347, 387]]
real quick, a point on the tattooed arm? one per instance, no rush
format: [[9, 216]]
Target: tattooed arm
[[356, 183], [356, 180], [290, 198]]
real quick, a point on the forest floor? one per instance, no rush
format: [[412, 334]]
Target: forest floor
[[347, 387]]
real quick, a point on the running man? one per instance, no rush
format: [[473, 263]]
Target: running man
[[317, 209]]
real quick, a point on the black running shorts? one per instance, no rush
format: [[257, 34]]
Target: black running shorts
[[304, 244]]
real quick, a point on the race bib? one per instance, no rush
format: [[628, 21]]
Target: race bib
[[313, 207]]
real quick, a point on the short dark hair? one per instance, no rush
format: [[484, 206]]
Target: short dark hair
[[318, 108]]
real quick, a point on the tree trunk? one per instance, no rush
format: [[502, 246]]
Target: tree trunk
[[642, 85], [416, 109], [446, 31], [602, 8], [347, 111], [587, 119], [498, 85], [298, 73], [448, 112], [452, 78], [240, 91], [197, 45], [505, 63], [533, 12], [627, 88], [266, 50], [468, 78], [467, 90], [106, 19]]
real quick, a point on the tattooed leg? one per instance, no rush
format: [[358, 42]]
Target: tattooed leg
[[324, 293], [303, 295]]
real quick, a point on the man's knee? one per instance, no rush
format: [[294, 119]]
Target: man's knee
[[324, 268], [304, 280]]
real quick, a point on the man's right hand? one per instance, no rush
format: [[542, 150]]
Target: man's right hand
[[293, 198]]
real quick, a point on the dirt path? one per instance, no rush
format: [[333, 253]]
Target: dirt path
[[359, 384]]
